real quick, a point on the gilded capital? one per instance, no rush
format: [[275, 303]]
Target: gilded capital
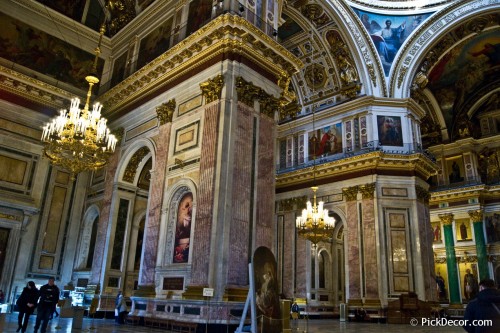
[[165, 112], [447, 219], [422, 193], [476, 215], [368, 191], [212, 88], [247, 92], [350, 193]]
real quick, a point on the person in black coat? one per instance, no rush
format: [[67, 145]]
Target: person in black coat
[[26, 304], [49, 296], [486, 306]]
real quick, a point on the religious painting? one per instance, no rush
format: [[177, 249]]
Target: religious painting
[[155, 44], [41, 52], [437, 232], [183, 229], [492, 226], [325, 141], [266, 298], [186, 137], [119, 69], [467, 67], [389, 32], [200, 13], [469, 279], [441, 281], [463, 229], [389, 131], [456, 172]]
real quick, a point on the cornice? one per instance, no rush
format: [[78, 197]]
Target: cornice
[[225, 34], [464, 193], [33, 90], [373, 163]]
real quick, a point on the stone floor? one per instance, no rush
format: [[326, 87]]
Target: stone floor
[[8, 323]]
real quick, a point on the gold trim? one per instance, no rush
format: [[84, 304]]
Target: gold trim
[[476, 215], [165, 112], [350, 193], [447, 218], [367, 191], [225, 34]]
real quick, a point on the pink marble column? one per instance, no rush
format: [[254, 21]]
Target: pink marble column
[[289, 255], [265, 183], [354, 282], [240, 200], [204, 207], [147, 271], [100, 251], [370, 249]]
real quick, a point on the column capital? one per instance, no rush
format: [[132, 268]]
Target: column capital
[[476, 215], [447, 218], [165, 112], [350, 193], [368, 191]]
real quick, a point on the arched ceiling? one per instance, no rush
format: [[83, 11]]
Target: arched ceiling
[[457, 79]]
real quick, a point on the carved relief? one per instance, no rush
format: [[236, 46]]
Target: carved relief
[[315, 14], [350, 193], [447, 219], [367, 191], [165, 112], [212, 88], [132, 165], [422, 194]]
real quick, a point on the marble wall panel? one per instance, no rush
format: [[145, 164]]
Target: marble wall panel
[[354, 282], [204, 207], [370, 248]]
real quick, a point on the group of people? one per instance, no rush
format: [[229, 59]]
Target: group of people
[[44, 300]]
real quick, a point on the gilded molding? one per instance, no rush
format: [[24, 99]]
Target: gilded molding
[[224, 35], [367, 191], [10, 217], [476, 215], [132, 165], [212, 88], [350, 193], [165, 112], [376, 160], [247, 92], [33, 89], [447, 218]]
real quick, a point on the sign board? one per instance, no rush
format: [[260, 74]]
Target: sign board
[[209, 292]]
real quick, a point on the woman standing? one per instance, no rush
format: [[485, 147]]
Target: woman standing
[[26, 304]]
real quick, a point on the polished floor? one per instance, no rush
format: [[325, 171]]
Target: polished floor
[[8, 323]]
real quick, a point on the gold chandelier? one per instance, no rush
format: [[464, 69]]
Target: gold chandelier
[[315, 224], [79, 140]]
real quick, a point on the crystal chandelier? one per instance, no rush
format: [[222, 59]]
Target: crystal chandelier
[[315, 224], [79, 140]]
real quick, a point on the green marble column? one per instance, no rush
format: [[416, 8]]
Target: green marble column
[[451, 259], [482, 259]]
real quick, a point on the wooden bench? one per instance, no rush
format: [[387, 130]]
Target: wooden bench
[[179, 326]]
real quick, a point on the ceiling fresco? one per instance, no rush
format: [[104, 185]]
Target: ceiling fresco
[[463, 71], [389, 32], [44, 53]]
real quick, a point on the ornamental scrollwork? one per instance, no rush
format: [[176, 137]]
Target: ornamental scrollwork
[[447, 218], [212, 88], [350, 193], [165, 112]]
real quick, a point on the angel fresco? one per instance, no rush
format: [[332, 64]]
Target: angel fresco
[[388, 33]]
